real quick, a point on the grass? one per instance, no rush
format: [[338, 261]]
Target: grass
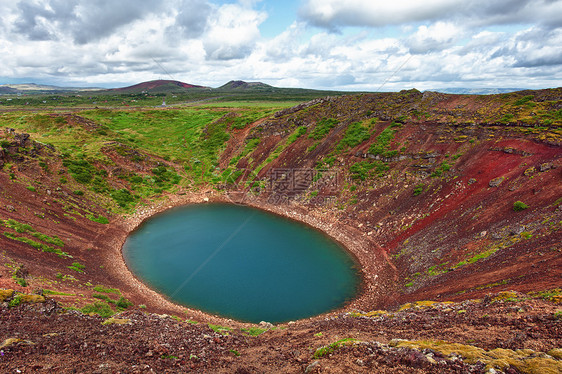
[[78, 267], [443, 168], [477, 257], [55, 293], [99, 219], [42, 247], [98, 307], [323, 127], [383, 140], [223, 330], [100, 288], [367, 169], [25, 228], [355, 134], [249, 147], [253, 331], [122, 303], [550, 295], [300, 131], [15, 301], [327, 349]]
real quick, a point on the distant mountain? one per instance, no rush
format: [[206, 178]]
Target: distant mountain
[[40, 88], [241, 85], [158, 86], [476, 91]]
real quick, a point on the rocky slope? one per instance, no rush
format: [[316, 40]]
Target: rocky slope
[[439, 197]]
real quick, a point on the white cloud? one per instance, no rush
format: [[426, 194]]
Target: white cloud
[[232, 32], [436, 37], [332, 14], [428, 44]]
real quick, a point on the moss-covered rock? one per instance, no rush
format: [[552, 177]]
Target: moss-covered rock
[[32, 299], [5, 295], [116, 321], [525, 360]]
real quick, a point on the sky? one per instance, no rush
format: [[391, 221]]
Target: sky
[[352, 45]]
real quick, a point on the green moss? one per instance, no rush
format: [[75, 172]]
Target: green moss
[[37, 245], [322, 128], [382, 142], [477, 257], [17, 300], [223, 330], [443, 168], [367, 169], [100, 288], [253, 331], [99, 219], [300, 131], [76, 266], [122, 303], [355, 134], [524, 360], [519, 206], [327, 349], [55, 293]]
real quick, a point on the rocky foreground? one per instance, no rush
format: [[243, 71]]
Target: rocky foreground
[[507, 332]]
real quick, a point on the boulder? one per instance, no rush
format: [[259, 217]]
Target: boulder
[[496, 182]]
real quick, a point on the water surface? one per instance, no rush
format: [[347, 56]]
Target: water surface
[[241, 263]]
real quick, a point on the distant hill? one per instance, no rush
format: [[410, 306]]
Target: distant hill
[[7, 90], [241, 85], [158, 86], [30, 88], [476, 91]]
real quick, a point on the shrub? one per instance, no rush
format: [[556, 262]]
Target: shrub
[[524, 100], [123, 197], [519, 206], [123, 303], [99, 307]]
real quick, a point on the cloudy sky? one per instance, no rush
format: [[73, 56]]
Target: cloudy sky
[[323, 44]]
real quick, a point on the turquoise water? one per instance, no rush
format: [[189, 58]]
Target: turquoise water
[[241, 263]]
